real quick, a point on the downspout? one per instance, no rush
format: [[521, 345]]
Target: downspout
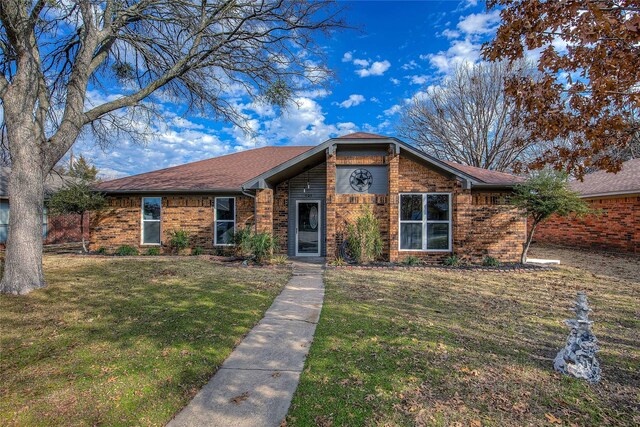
[[255, 211]]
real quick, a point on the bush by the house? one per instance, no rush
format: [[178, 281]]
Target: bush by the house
[[262, 246], [153, 251], [411, 260], [363, 238], [279, 260], [242, 241], [490, 261], [197, 251], [101, 250], [452, 261], [179, 240], [126, 250]]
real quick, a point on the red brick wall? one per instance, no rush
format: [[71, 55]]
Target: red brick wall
[[119, 224], [281, 215], [65, 229], [616, 227], [483, 224]]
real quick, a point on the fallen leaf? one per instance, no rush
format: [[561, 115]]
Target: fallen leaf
[[240, 398], [552, 418], [475, 423]]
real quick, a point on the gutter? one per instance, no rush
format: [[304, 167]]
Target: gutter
[[174, 191], [611, 193]]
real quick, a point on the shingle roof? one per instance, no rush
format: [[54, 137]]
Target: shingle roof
[[487, 176], [219, 173], [626, 181], [362, 135], [52, 183]]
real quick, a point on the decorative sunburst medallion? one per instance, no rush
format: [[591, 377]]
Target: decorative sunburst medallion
[[361, 180]]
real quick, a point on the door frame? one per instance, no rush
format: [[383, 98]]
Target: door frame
[[318, 203]]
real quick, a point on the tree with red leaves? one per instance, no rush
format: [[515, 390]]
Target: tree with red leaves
[[587, 98]]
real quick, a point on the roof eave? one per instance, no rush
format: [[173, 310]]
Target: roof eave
[[173, 191], [494, 186], [611, 193]]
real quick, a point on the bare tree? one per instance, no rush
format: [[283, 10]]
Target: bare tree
[[190, 50], [468, 120]]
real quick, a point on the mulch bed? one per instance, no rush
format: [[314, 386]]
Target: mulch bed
[[506, 268]]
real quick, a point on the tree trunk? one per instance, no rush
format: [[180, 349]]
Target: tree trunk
[[525, 249], [23, 256]]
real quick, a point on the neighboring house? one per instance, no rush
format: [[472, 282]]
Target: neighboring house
[[306, 195], [56, 228], [616, 227]]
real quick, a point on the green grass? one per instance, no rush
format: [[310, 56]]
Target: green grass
[[123, 341], [466, 348]]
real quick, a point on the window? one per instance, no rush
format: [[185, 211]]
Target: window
[[225, 220], [45, 214], [4, 221], [151, 210], [425, 222]]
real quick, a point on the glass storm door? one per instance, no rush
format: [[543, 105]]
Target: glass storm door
[[308, 228]]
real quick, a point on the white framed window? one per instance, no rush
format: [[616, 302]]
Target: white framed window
[[425, 222], [224, 211], [151, 218]]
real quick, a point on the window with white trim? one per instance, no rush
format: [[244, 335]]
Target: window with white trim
[[225, 220], [425, 222], [151, 218]]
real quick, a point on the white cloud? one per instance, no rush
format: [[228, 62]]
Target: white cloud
[[409, 65], [347, 57], [361, 62], [460, 52], [394, 109], [418, 80], [394, 81], [378, 68], [479, 23], [352, 101], [450, 34]]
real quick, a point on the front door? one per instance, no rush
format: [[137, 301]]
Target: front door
[[308, 228]]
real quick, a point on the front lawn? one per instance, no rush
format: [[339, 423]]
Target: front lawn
[[468, 348], [123, 341]]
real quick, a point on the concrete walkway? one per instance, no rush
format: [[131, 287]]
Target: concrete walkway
[[255, 384]]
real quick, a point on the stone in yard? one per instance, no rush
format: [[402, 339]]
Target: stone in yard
[[578, 357]]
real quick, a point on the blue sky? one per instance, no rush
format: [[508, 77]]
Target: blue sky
[[400, 49]]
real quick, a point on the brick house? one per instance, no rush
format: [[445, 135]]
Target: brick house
[[56, 229], [306, 195], [615, 227]]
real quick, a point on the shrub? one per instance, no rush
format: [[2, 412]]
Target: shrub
[[262, 246], [179, 240], [363, 238], [101, 250], [197, 251], [338, 262], [280, 260], [490, 261], [153, 251], [452, 260], [411, 260], [126, 250], [242, 241]]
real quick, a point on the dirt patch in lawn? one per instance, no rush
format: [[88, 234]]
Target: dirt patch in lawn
[[467, 348]]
